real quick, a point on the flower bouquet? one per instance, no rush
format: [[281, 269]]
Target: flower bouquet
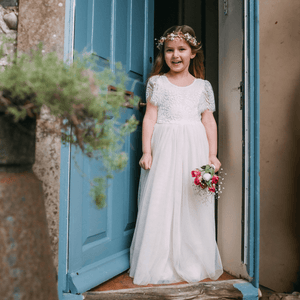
[[205, 178]]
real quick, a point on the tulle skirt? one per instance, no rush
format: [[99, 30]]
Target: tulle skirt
[[174, 238]]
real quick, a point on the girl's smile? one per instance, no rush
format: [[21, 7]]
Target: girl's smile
[[178, 54]]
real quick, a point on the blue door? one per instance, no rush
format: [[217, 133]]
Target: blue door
[[95, 246]]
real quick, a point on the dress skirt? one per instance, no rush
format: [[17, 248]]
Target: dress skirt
[[174, 238]]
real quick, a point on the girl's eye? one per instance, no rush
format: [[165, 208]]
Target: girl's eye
[[182, 49], [169, 50]]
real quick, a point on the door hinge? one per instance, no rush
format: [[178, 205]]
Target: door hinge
[[242, 95], [225, 6]]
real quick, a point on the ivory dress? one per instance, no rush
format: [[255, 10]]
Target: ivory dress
[[174, 238]]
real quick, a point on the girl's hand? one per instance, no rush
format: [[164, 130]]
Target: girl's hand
[[146, 161], [214, 161]]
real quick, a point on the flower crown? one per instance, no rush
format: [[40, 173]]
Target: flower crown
[[171, 36]]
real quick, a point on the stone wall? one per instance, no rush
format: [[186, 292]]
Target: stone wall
[[49, 29], [8, 29], [43, 21]]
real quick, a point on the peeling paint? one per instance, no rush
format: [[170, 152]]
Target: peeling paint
[[17, 294], [12, 260]]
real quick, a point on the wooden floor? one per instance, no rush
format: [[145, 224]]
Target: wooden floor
[[123, 281]]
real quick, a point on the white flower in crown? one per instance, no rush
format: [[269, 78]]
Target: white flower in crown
[[190, 39], [172, 36]]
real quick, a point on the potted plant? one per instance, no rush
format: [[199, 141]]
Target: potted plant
[[78, 97], [86, 115]]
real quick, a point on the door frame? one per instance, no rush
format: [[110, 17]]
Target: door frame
[[252, 157], [252, 136], [65, 162]]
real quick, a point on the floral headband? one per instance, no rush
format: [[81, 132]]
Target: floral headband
[[171, 36]]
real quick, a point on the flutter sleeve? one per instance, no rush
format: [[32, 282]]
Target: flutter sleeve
[[151, 90], [209, 97]]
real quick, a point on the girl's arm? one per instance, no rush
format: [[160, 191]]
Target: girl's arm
[[210, 125], [148, 126]]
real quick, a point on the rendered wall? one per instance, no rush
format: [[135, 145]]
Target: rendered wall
[[280, 144], [43, 21]]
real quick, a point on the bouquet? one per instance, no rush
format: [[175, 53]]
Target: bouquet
[[205, 178]]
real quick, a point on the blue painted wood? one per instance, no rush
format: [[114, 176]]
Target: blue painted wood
[[149, 34], [136, 37], [254, 150], [68, 296], [98, 241], [69, 30], [83, 26], [103, 13], [99, 271], [122, 15], [63, 220], [248, 290], [65, 169]]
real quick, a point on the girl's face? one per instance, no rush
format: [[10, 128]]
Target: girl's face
[[178, 54]]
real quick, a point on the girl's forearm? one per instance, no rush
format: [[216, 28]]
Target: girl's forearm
[[147, 131], [212, 136]]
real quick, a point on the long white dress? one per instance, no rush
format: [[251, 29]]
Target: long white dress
[[174, 238]]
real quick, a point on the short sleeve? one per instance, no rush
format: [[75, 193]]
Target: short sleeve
[[209, 97], [151, 90]]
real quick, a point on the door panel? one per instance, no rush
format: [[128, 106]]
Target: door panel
[[230, 205], [121, 32], [136, 36], [102, 27], [99, 240]]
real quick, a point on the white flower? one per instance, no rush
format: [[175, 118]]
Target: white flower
[[206, 176]]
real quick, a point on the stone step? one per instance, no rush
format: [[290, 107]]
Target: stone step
[[227, 289]]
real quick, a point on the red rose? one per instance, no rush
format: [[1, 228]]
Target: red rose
[[212, 189], [215, 179], [197, 181], [196, 173]]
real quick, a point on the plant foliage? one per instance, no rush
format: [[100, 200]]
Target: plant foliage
[[77, 95]]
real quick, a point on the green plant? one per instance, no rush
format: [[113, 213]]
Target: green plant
[[77, 95]]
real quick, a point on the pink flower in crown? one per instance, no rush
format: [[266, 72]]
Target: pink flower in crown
[[196, 173], [212, 189], [215, 179], [197, 181]]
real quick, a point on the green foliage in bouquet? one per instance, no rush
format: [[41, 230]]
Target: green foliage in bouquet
[[77, 95]]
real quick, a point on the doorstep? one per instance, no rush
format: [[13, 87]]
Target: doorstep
[[227, 289]]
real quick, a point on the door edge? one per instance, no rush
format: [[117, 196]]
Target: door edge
[[65, 153]]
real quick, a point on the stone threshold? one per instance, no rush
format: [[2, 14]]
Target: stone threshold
[[227, 289]]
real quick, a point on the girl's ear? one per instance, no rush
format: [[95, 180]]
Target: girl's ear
[[193, 55]]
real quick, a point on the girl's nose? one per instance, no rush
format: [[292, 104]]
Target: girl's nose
[[175, 53]]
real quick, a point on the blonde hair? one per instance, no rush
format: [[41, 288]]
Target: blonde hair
[[196, 67]]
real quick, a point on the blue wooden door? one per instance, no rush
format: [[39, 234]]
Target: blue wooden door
[[99, 240]]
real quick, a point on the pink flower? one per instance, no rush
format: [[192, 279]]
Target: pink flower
[[212, 189], [196, 173], [215, 179], [197, 181]]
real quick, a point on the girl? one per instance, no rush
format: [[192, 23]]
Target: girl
[[174, 239]]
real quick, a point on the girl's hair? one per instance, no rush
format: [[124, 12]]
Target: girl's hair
[[196, 67]]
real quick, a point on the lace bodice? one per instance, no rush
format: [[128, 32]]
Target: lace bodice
[[179, 104]]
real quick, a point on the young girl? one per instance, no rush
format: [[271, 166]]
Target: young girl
[[174, 239]]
